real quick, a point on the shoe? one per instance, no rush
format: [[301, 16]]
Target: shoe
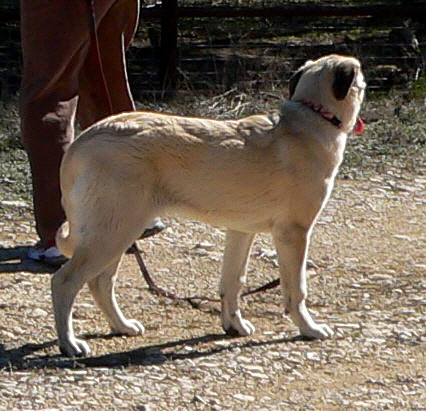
[[156, 227], [48, 254]]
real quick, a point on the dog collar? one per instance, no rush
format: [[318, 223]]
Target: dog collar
[[330, 117], [325, 114]]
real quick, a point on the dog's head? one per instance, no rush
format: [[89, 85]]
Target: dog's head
[[333, 82]]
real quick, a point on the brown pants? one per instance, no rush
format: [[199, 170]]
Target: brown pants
[[62, 79]]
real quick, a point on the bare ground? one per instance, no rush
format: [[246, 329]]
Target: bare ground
[[368, 284]]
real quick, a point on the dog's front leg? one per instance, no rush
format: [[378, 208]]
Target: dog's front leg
[[292, 246], [235, 260]]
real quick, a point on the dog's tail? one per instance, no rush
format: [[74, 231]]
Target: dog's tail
[[64, 241]]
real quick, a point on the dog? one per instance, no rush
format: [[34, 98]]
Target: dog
[[264, 173]]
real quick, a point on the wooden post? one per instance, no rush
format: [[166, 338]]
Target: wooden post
[[168, 48]]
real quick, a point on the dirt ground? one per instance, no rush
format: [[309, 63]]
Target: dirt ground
[[366, 281]]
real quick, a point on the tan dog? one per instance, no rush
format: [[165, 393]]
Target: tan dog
[[264, 173]]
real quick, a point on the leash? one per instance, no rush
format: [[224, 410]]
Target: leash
[[134, 249], [153, 287]]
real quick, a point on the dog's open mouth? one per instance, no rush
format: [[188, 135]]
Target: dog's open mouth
[[359, 126]]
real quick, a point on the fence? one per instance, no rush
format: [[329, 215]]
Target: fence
[[211, 48], [10, 56]]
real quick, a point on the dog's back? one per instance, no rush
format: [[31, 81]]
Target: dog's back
[[237, 173]]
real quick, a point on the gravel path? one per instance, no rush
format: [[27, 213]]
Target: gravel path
[[367, 281]]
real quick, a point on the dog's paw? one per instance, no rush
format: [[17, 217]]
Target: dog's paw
[[235, 325], [130, 327], [317, 331], [74, 348], [241, 330]]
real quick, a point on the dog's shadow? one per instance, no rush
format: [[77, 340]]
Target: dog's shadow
[[26, 357], [14, 259]]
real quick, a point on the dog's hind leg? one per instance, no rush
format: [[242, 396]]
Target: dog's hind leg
[[102, 288], [66, 284], [235, 260], [292, 243]]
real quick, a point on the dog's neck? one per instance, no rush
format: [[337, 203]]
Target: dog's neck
[[329, 144], [325, 114]]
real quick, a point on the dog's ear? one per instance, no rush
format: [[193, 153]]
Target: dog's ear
[[343, 79], [294, 80]]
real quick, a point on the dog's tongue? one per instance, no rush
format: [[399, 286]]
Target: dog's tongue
[[359, 126]]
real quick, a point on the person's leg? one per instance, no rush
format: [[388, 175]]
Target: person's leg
[[104, 77], [54, 43], [114, 33], [55, 40]]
